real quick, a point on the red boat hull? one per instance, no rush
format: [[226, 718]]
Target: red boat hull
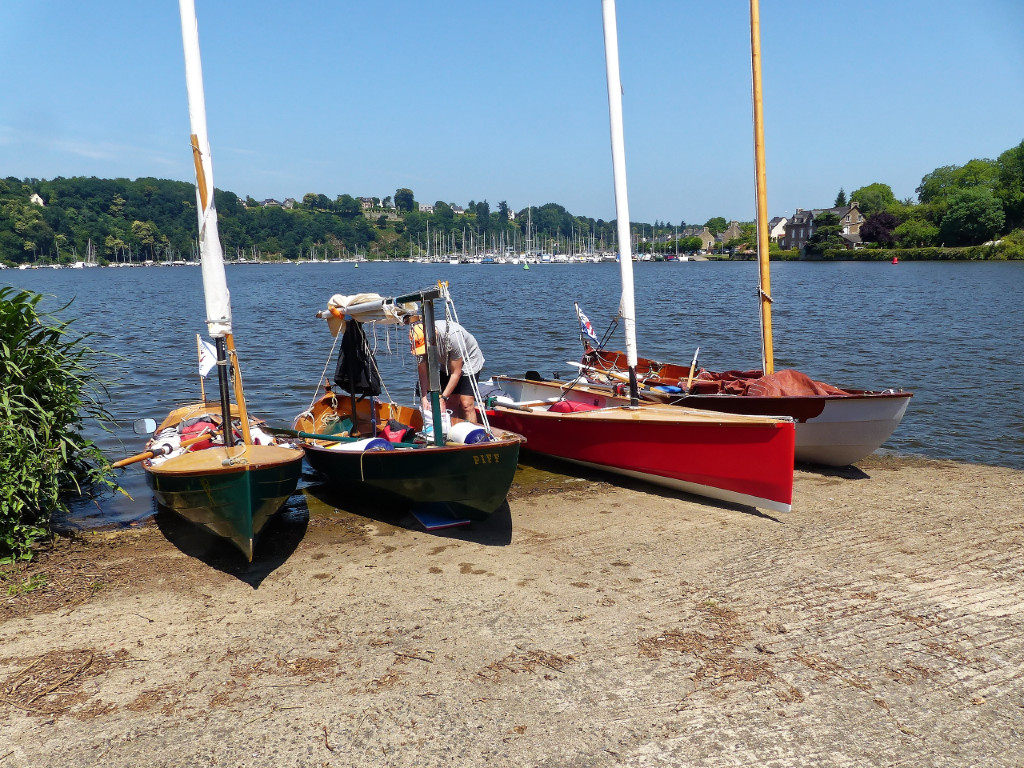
[[738, 459]]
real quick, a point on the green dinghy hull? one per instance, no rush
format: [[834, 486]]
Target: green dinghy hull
[[232, 492], [473, 480]]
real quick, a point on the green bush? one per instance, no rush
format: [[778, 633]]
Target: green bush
[[1012, 245], [47, 392], [1005, 249], [791, 255]]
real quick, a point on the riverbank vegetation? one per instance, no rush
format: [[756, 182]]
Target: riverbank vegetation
[[970, 211], [47, 392], [65, 220]]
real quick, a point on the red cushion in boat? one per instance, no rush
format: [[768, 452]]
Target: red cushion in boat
[[194, 430], [566, 406]]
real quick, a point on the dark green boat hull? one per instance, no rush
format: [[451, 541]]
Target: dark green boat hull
[[473, 480], [234, 504]]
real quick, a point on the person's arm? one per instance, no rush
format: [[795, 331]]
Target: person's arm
[[421, 373], [454, 373]]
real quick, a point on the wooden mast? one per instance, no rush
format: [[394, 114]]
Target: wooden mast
[[764, 288], [218, 301]]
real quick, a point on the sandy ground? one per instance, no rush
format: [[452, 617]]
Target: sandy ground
[[588, 624]]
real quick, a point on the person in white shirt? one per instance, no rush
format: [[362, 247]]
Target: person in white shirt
[[460, 361]]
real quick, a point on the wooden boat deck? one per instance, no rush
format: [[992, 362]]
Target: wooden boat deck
[[646, 413], [220, 459]]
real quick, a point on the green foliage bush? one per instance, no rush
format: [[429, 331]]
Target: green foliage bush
[[1001, 252], [47, 392]]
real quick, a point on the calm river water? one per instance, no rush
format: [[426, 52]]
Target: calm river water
[[948, 332]]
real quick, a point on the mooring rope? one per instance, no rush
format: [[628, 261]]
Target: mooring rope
[[323, 374]]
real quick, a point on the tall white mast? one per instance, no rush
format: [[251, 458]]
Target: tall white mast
[[627, 308], [215, 286]]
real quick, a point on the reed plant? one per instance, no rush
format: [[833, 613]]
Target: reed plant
[[48, 391]]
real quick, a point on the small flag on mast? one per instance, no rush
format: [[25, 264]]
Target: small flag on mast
[[586, 329], [207, 357]]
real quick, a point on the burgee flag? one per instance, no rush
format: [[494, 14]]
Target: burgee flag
[[207, 357], [586, 329]]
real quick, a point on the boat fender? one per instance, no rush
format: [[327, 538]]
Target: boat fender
[[468, 433], [361, 446], [164, 449], [166, 445], [259, 437]]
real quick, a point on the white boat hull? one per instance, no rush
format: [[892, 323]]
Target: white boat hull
[[848, 429]]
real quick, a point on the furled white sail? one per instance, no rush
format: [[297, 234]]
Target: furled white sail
[[215, 286], [627, 305]]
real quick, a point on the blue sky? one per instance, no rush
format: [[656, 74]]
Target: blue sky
[[507, 100]]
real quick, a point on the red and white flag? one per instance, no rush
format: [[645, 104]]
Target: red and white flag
[[586, 329]]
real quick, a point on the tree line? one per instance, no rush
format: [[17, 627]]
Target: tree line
[[63, 220], [957, 205]]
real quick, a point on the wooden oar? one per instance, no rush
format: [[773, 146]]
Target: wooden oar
[[150, 454], [693, 369], [327, 438]]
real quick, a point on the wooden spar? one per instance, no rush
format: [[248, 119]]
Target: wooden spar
[[610, 374], [627, 308], [329, 438], [243, 414], [693, 369], [197, 159], [764, 291], [149, 454]]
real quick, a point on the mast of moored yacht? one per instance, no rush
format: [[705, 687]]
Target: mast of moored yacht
[[215, 288], [764, 289], [626, 304]]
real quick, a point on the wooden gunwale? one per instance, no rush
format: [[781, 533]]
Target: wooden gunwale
[[210, 461]]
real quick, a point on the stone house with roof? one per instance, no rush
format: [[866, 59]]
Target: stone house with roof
[[730, 233], [707, 240], [800, 227]]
